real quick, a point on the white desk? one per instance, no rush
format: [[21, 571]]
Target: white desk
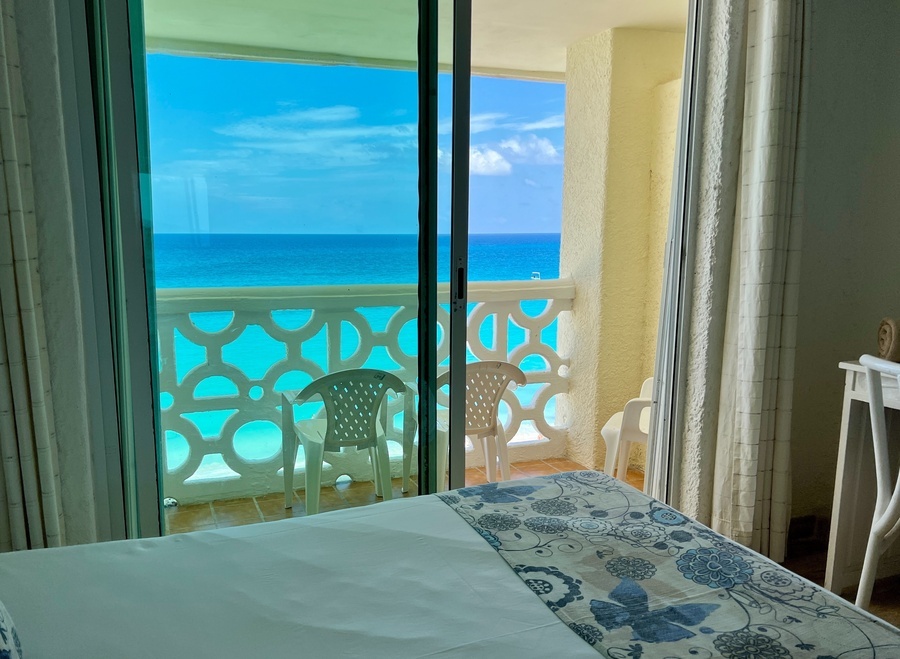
[[854, 487]]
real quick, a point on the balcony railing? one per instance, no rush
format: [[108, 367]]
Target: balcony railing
[[226, 354]]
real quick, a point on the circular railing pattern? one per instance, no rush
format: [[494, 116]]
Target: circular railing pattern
[[332, 330]]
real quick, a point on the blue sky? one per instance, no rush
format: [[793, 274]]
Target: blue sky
[[263, 147]]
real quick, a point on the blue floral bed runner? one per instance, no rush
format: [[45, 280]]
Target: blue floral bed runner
[[636, 579]]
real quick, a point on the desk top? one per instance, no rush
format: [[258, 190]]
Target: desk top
[[857, 388]]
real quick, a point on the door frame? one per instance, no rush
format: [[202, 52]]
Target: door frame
[[459, 238], [663, 470], [115, 35]]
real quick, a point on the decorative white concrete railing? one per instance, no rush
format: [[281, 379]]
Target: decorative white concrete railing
[[226, 354]]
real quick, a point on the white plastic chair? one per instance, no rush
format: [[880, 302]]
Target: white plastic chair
[[630, 426], [886, 520], [485, 384], [355, 417]]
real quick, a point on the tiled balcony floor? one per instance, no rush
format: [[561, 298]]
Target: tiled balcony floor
[[237, 512]]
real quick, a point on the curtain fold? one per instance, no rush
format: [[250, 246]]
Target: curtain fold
[[753, 471], [734, 446], [30, 499]]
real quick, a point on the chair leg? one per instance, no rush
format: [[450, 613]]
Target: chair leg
[[383, 473], [612, 452], [622, 470], [408, 450], [289, 459], [490, 458], [376, 470], [314, 453], [502, 451], [870, 567]]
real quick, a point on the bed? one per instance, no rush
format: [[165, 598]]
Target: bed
[[573, 565]]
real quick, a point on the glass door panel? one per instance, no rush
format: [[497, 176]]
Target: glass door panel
[[286, 248], [516, 299]]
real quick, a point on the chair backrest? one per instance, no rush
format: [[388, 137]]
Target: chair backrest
[[636, 417], [352, 401], [485, 384], [875, 368]]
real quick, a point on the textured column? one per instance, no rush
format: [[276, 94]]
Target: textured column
[[610, 228]]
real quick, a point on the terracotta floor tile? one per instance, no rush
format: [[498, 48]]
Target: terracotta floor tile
[[635, 479], [362, 496], [475, 476], [228, 523], [172, 530], [297, 511], [272, 496], [235, 510], [191, 515], [530, 464], [273, 508], [326, 493], [564, 464], [531, 469], [329, 499]]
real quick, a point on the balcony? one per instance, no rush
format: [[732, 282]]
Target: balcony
[[226, 354]]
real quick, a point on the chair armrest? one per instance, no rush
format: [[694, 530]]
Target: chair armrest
[[631, 419]]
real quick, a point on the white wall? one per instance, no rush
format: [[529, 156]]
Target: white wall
[[850, 271]]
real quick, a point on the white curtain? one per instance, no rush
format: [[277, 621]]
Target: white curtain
[[30, 502], [753, 458], [733, 446]]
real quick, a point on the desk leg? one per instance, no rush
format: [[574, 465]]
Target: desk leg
[[854, 420]]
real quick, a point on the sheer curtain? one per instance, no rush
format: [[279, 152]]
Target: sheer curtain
[[732, 445], [31, 504]]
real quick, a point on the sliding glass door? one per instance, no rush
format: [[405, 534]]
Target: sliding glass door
[[292, 257]]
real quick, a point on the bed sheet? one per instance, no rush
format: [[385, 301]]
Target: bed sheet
[[405, 578]]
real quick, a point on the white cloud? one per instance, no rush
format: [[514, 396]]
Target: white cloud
[[478, 123], [484, 161], [319, 115], [324, 137], [553, 121], [531, 149]]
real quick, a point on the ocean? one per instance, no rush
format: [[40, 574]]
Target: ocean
[[217, 260], [190, 261]]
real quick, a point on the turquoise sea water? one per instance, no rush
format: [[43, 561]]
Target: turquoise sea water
[[199, 261], [188, 260]]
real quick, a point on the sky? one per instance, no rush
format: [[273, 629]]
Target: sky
[[267, 147]]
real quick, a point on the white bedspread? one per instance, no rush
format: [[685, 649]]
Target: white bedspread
[[406, 578]]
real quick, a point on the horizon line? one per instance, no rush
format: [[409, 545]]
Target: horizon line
[[220, 233]]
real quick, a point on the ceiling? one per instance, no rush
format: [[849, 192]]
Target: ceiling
[[522, 38]]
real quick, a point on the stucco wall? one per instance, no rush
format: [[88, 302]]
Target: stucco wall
[[666, 100], [850, 271], [664, 123], [610, 221]]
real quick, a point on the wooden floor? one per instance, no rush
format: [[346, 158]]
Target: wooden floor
[[237, 512]]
